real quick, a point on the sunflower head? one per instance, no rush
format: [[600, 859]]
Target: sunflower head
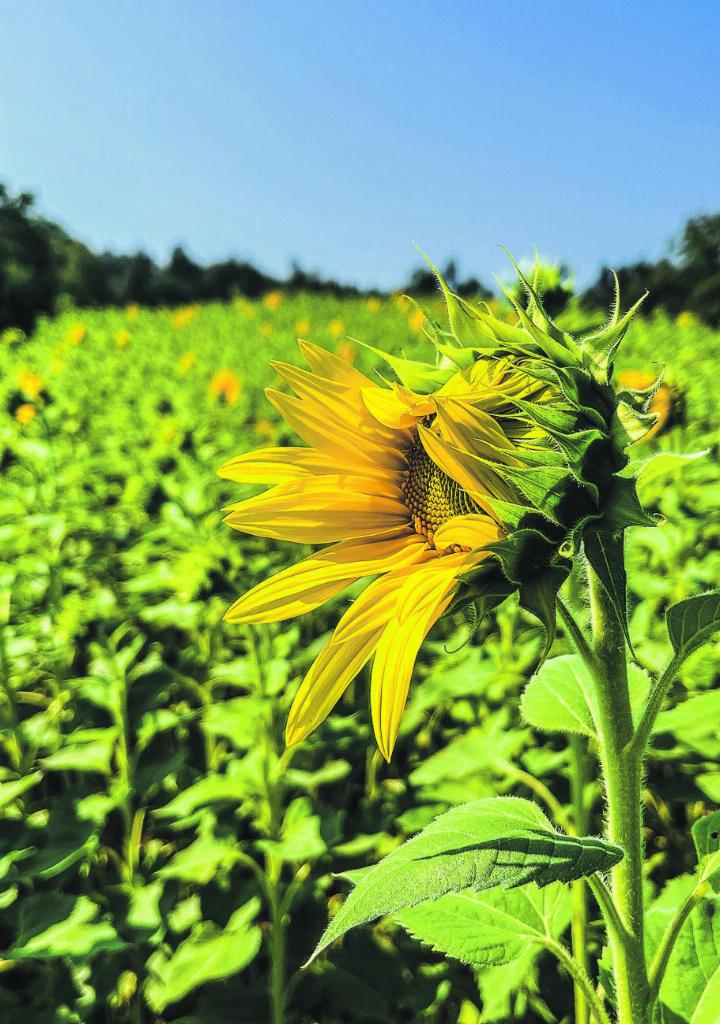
[[462, 478]]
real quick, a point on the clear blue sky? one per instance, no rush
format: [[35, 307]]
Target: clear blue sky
[[339, 132]]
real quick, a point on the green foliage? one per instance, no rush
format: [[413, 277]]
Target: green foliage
[[145, 796], [490, 928], [692, 622], [502, 842]]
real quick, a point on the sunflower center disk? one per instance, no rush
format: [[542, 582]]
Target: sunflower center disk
[[431, 496]]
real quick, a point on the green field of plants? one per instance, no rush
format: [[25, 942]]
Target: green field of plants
[[163, 856]]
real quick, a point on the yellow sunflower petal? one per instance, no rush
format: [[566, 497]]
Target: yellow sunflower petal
[[317, 511], [473, 475], [327, 364], [397, 407], [322, 575], [469, 531], [339, 662], [423, 599], [334, 435], [275, 465], [473, 430]]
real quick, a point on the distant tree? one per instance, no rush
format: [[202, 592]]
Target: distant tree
[[28, 263]]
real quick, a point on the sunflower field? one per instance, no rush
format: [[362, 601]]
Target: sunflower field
[[164, 857]]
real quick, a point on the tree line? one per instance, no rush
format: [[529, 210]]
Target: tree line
[[42, 266]]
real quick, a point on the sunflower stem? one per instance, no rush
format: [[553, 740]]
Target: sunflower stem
[[579, 889], [622, 776]]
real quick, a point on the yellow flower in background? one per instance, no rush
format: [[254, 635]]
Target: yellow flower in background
[[225, 386], [131, 311], [30, 383], [416, 320], [273, 299], [373, 305], [25, 413], [122, 337], [182, 317], [186, 362], [76, 333], [685, 320], [336, 328], [398, 485], [347, 351], [303, 326]]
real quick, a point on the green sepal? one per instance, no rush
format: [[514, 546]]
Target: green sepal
[[538, 595], [621, 506], [420, 377], [523, 553], [550, 418], [610, 337], [595, 401], [605, 552], [485, 587]]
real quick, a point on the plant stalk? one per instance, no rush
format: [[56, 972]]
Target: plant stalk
[[622, 776], [579, 889]]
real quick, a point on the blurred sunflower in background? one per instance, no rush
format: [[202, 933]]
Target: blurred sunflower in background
[[665, 403], [401, 486], [225, 386]]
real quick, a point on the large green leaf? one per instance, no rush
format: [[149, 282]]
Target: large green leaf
[[497, 842], [690, 990], [208, 954], [490, 928], [561, 696], [693, 621]]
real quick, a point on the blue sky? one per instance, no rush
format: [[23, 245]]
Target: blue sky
[[338, 133]]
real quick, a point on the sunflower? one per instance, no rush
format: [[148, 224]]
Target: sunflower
[[401, 487]]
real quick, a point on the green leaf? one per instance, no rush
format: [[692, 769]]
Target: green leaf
[[498, 842], [690, 990], [59, 925], [300, 837], [706, 837], [561, 697], [208, 790], [692, 622], [95, 756], [201, 861], [489, 928], [694, 718], [208, 954]]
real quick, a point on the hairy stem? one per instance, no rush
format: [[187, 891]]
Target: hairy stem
[[579, 888], [622, 777], [580, 979]]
